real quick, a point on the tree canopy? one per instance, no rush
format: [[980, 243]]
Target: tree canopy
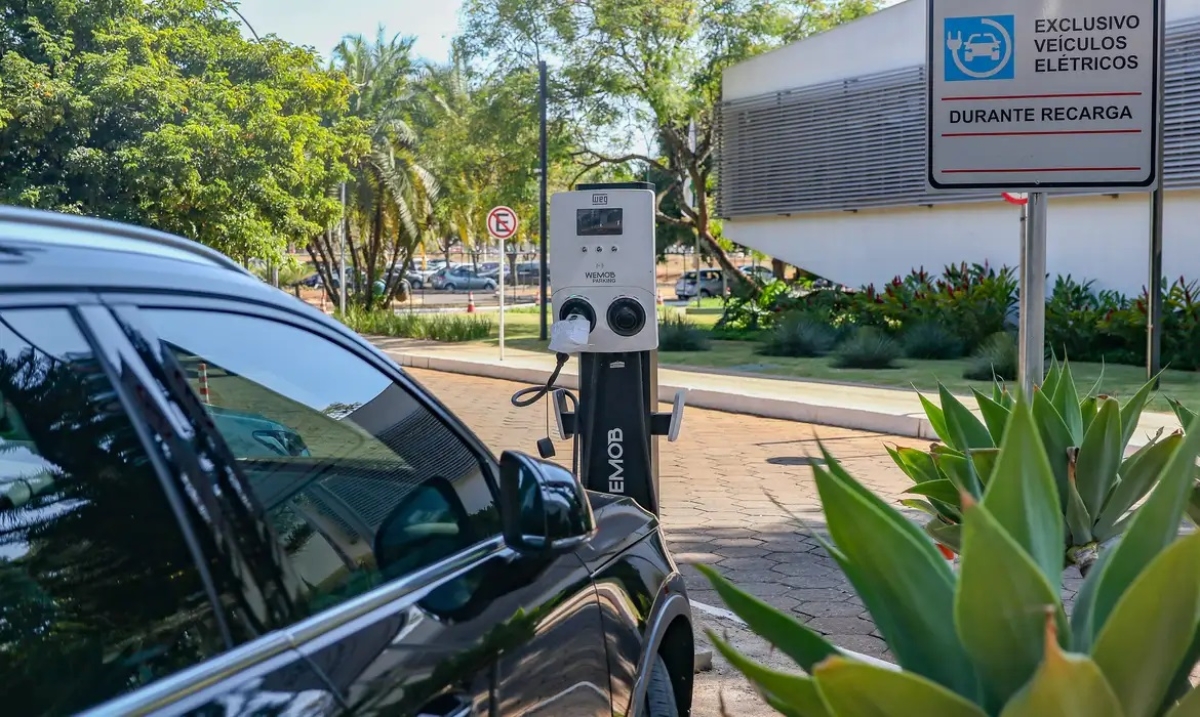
[[161, 113]]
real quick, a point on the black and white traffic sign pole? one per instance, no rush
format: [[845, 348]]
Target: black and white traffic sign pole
[[502, 224], [1037, 95]]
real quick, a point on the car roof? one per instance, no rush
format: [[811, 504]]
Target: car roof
[[41, 250]]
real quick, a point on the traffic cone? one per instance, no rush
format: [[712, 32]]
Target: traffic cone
[[204, 395], [470, 302], [658, 298]]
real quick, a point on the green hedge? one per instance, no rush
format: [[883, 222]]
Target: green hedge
[[433, 327], [973, 303]]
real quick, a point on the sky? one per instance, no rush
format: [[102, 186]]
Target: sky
[[322, 24]]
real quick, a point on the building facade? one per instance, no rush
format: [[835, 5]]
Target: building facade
[[822, 164]]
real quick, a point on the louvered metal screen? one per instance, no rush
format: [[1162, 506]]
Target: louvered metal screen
[[860, 143]]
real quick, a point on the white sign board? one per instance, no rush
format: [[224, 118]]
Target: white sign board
[[1042, 94]]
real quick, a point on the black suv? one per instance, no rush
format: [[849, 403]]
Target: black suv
[[215, 500]]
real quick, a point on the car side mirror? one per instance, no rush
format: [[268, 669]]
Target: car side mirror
[[543, 506]]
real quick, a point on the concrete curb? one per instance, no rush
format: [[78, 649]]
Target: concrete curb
[[909, 426]]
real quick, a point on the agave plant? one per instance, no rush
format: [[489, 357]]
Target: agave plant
[[993, 638], [1187, 417], [1085, 439]]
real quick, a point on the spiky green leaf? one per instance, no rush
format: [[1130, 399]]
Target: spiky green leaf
[[994, 415], [967, 430], [1088, 409], [1154, 526], [921, 505], [948, 534], [1100, 456], [1185, 415], [984, 461], [1148, 632], [942, 490], [856, 689], [958, 470], [1022, 495], [937, 419], [1066, 402], [1065, 685], [1131, 412], [1189, 706], [1056, 438], [1000, 606], [1079, 522], [1137, 480], [902, 579], [917, 464]]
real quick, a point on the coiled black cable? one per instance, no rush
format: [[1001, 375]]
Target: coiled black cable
[[537, 393]]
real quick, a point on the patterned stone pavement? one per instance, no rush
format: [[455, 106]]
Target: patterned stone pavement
[[736, 493]]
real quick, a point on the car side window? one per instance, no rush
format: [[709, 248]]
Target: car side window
[[361, 481], [99, 592]]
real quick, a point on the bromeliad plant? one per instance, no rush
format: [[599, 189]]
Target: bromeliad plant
[[993, 638], [1085, 441]]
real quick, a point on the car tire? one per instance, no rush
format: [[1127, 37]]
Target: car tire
[[489, 286], [705, 294], [660, 693], [418, 285], [449, 287]]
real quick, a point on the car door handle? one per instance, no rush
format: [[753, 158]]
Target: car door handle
[[447, 705]]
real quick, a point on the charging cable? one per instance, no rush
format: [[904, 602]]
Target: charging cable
[[527, 397]]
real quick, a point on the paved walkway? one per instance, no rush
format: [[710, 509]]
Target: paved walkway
[[717, 484], [882, 410]]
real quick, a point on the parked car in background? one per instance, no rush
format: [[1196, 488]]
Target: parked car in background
[[219, 501], [711, 284], [462, 278], [529, 272], [758, 272]]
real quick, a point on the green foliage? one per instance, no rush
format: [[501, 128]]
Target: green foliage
[[931, 341], [995, 359], [993, 639], [162, 114], [1083, 446], [867, 348], [452, 328], [798, 336], [678, 334]]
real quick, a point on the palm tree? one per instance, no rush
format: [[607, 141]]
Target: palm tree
[[391, 194]]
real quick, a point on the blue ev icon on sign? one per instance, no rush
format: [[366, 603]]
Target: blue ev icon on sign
[[979, 48]]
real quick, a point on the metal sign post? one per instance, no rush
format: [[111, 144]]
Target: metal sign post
[[1037, 95], [1032, 325], [502, 224]]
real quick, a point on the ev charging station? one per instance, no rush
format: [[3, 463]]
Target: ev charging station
[[605, 311]]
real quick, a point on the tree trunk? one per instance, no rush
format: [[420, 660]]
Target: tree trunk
[[779, 269]]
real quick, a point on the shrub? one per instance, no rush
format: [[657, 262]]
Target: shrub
[[994, 360], [930, 340], [868, 348], [799, 336], [993, 637], [1085, 445], [434, 327], [678, 334]]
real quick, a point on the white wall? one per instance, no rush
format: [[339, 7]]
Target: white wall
[[890, 39], [1101, 238], [1097, 238]]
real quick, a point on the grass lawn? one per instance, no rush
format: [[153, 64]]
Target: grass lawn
[[521, 331]]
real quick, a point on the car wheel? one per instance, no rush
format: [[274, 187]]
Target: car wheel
[[489, 286], [449, 287], [418, 285], [660, 693], [680, 297], [705, 294]]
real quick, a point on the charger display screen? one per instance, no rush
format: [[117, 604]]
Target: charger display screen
[[599, 222]]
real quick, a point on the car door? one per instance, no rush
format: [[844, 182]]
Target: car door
[[411, 603], [119, 595]]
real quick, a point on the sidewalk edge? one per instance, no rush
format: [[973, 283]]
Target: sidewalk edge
[[724, 401]]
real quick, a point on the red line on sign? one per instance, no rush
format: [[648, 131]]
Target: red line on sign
[[1041, 169], [986, 98], [1034, 133]]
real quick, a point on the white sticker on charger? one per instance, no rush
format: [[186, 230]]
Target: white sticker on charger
[[570, 336]]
